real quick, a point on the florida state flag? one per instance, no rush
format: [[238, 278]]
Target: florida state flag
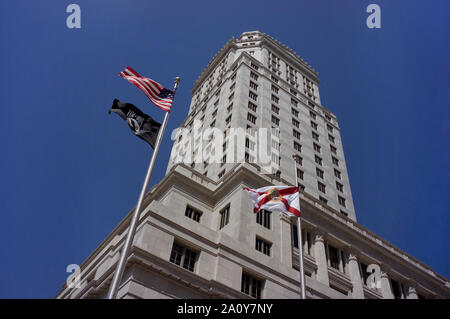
[[284, 199]]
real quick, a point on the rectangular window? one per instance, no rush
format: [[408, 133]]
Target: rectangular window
[[299, 173], [251, 286], [296, 134], [253, 85], [275, 145], [316, 147], [293, 92], [295, 123], [333, 257], [252, 106], [252, 95], [318, 160], [294, 102], [254, 76], [319, 172], [337, 173], [228, 120], [182, 256], [274, 79], [274, 89], [224, 216], [340, 187], [313, 115], [323, 200], [275, 99], [275, 109], [331, 138], [193, 213], [330, 128], [231, 97], [299, 160], [251, 118], [232, 87], [275, 120], [341, 201], [263, 246], [335, 161], [294, 112], [297, 147], [263, 218], [333, 149], [221, 174], [254, 66], [321, 187], [315, 136], [314, 125]]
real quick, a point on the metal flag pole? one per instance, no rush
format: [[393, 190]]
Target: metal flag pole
[[299, 235], [114, 287]]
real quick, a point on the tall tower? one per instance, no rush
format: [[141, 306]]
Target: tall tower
[[198, 236], [256, 82]]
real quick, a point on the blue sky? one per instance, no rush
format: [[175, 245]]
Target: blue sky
[[70, 172]]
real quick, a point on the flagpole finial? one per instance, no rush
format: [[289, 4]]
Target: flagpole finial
[[177, 80]]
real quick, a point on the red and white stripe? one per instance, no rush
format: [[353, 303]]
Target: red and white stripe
[[148, 86], [287, 202]]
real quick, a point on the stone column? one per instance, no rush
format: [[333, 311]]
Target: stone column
[[411, 290], [385, 285], [285, 241], [321, 258], [355, 274]]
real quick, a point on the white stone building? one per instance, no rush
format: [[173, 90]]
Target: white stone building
[[198, 237]]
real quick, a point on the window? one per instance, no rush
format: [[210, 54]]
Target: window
[[316, 147], [333, 257], [224, 216], [274, 79], [251, 286], [275, 99], [299, 160], [213, 123], [249, 144], [221, 174], [301, 187], [254, 66], [252, 106], [297, 146], [330, 128], [364, 274], [341, 201], [397, 289], [252, 95], [293, 92], [321, 187], [275, 109], [294, 236], [319, 172], [251, 118], [313, 115], [340, 187], [231, 97], [232, 87], [295, 123], [274, 89], [263, 218], [253, 85], [296, 134], [214, 113], [228, 120], [299, 173], [335, 160], [254, 76], [275, 120], [318, 160], [294, 102], [331, 138], [275, 145], [294, 112], [315, 136], [323, 200], [314, 125], [263, 246], [333, 149], [193, 213], [183, 257], [337, 173]]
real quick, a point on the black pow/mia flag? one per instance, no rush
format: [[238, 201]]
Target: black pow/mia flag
[[141, 124]]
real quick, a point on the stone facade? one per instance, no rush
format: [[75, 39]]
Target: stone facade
[[198, 236]]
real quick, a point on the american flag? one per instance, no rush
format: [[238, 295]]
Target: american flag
[[159, 95]]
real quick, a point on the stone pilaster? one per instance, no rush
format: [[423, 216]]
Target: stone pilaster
[[355, 274], [321, 258], [411, 290], [385, 285]]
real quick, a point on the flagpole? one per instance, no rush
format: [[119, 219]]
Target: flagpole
[[114, 287], [299, 235]]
